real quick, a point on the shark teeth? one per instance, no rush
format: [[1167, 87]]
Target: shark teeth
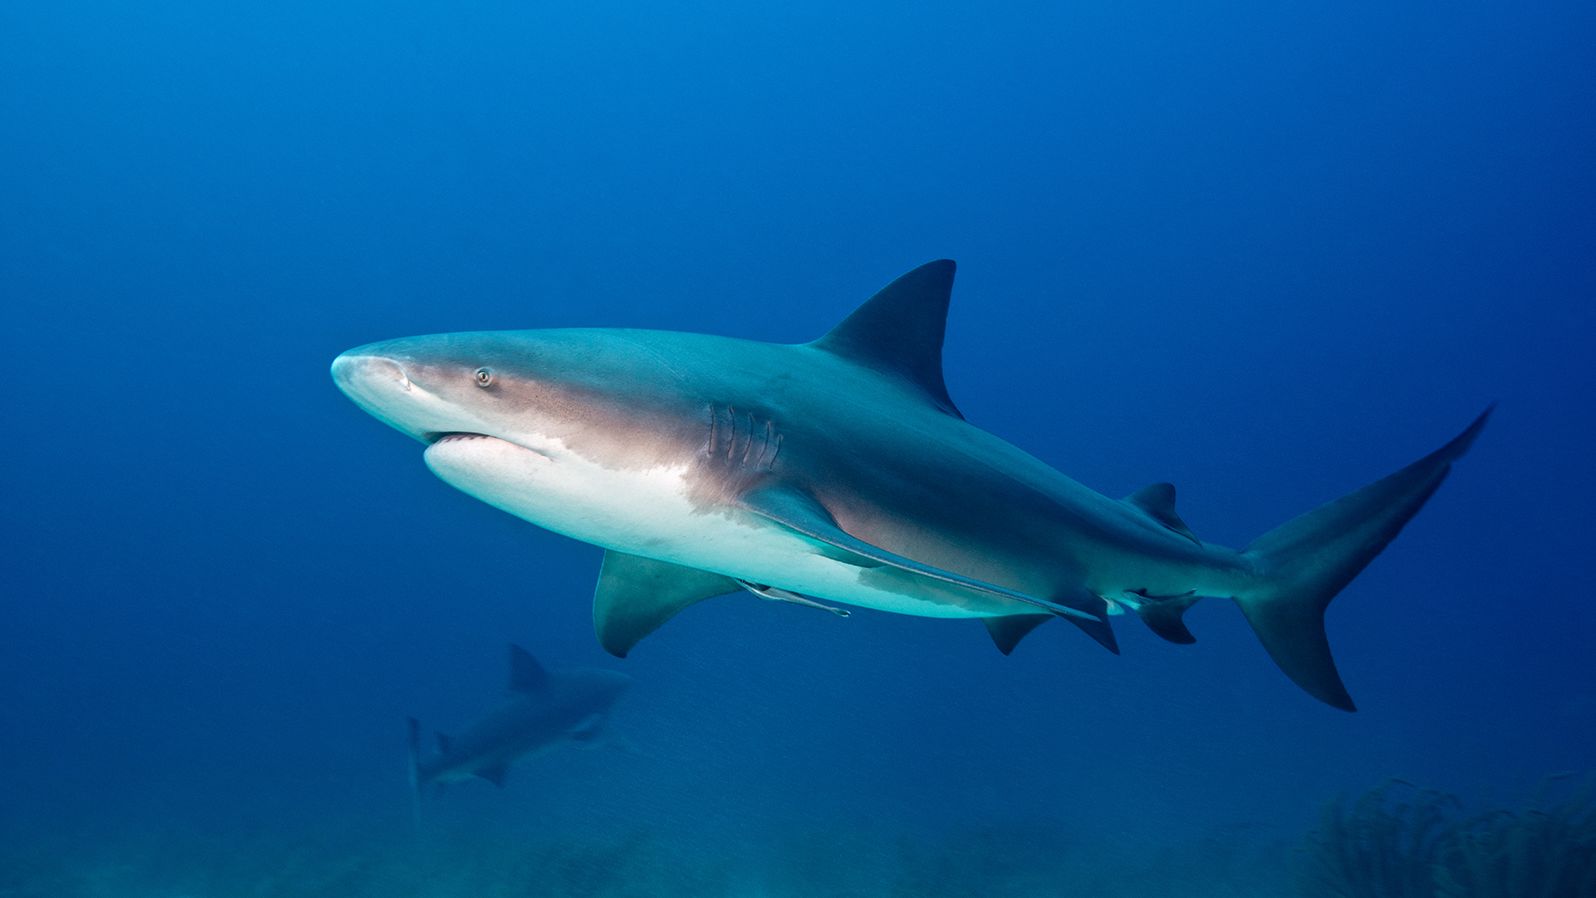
[[454, 437]]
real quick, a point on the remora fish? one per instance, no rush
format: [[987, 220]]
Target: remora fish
[[547, 708], [841, 470]]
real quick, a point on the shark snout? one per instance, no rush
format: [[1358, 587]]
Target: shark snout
[[359, 371], [381, 385], [377, 383]]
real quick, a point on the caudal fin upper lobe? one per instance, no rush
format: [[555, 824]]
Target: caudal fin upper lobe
[[1302, 564]]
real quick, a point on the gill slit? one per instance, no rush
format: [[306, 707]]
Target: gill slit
[[740, 442], [749, 446]]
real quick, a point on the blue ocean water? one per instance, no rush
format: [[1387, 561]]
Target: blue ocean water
[[1268, 253]]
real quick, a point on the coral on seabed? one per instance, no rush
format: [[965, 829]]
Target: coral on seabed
[[1401, 841]]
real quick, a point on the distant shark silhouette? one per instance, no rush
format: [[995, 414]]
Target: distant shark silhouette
[[546, 708], [841, 470]]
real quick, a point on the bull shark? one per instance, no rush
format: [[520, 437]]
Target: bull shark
[[546, 708], [840, 471]]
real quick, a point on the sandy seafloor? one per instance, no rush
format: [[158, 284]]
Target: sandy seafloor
[[362, 857]]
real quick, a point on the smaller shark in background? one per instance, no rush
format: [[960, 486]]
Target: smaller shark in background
[[546, 708]]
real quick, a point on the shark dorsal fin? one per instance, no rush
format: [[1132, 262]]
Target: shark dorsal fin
[[526, 674], [1158, 501], [900, 330]]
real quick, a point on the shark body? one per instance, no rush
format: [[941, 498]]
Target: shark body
[[546, 709], [840, 470]]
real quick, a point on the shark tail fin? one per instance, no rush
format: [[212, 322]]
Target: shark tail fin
[[415, 772], [1302, 564]]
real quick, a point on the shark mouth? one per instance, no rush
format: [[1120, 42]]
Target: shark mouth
[[440, 439], [433, 438]]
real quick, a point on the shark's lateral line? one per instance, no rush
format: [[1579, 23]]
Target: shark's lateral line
[[546, 708], [841, 471]]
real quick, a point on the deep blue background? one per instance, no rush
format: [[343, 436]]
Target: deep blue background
[[1268, 253]]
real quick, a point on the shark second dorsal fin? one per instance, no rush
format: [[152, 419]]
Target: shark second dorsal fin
[[526, 674], [635, 596], [899, 331], [1158, 501]]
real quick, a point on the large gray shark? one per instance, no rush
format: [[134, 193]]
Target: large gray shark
[[547, 708], [840, 471]]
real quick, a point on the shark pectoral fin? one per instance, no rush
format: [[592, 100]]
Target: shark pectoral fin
[[495, 775], [781, 595], [526, 674], [1157, 500], [1008, 630], [636, 595], [802, 513]]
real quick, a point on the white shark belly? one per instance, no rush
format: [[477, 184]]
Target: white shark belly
[[648, 512]]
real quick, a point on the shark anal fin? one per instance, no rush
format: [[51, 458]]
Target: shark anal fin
[[526, 674], [1008, 630], [1165, 615], [495, 775], [802, 513], [775, 594], [899, 331], [636, 595], [1157, 500]]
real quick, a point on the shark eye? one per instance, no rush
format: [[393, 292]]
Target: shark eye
[[484, 377]]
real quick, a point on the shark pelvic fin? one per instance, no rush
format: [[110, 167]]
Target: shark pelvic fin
[[444, 743], [636, 595], [1157, 500], [495, 775], [526, 674], [1091, 617], [899, 331], [1093, 620], [801, 512], [1008, 630]]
